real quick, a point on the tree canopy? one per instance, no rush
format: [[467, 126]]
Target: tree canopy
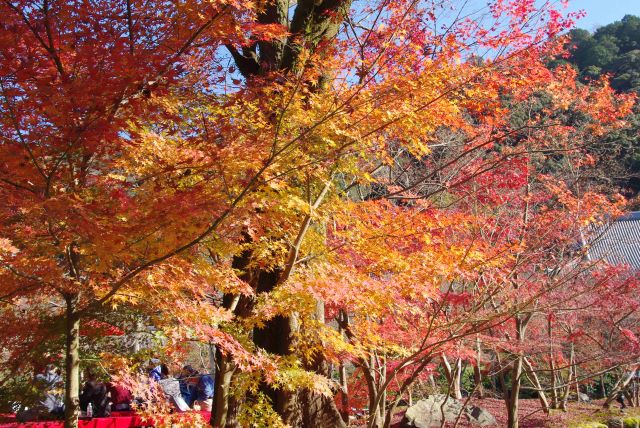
[[306, 188]]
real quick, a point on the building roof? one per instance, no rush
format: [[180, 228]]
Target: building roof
[[619, 242]]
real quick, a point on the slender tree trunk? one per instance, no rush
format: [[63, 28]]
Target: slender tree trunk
[[344, 386], [570, 378], [620, 386], [603, 387], [452, 373], [516, 375], [432, 381], [383, 378], [537, 384], [514, 393], [477, 372], [72, 364], [575, 376], [343, 320], [371, 379], [212, 360], [552, 366]]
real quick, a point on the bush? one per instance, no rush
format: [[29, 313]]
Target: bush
[[631, 422], [592, 425]]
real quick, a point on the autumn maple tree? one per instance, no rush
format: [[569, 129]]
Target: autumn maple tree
[[296, 184]]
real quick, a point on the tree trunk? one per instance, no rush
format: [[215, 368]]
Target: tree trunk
[[383, 378], [319, 411], [344, 386], [516, 374], [223, 376], [72, 364], [552, 366], [453, 374], [370, 370], [212, 359], [311, 23], [620, 386], [570, 378], [538, 385], [477, 372], [302, 408], [514, 399]]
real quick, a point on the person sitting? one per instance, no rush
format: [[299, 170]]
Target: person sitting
[[204, 393], [119, 396], [155, 369], [50, 402], [52, 382], [94, 392], [188, 381], [171, 387]]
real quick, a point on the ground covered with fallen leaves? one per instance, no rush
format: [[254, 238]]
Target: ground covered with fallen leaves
[[532, 416]]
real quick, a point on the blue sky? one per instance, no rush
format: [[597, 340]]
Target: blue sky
[[603, 12]]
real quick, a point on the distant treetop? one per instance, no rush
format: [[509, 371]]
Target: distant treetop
[[613, 49]]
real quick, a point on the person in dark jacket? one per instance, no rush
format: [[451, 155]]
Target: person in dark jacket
[[94, 392], [188, 382], [620, 399]]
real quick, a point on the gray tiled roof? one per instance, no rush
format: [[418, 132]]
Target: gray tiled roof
[[619, 242]]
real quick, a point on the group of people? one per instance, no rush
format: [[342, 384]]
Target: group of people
[[188, 390], [103, 397]]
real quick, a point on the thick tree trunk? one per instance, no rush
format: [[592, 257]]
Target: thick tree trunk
[[223, 376], [72, 364], [319, 411], [303, 408], [311, 23]]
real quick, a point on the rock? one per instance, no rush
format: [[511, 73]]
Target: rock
[[615, 423], [479, 416], [583, 397], [429, 412]]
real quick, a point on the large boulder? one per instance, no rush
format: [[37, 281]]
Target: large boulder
[[430, 411]]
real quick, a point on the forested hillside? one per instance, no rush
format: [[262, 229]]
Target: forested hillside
[[614, 51]]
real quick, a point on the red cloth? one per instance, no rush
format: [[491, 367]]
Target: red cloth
[[116, 420]]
